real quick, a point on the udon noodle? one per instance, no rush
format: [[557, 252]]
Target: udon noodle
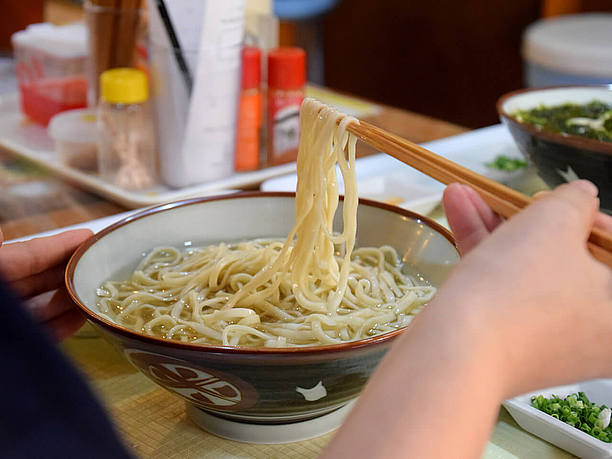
[[313, 288]]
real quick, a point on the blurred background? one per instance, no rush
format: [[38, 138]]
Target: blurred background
[[107, 105], [449, 59]]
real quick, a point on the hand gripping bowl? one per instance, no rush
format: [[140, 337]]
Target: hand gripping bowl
[[253, 386], [558, 157]]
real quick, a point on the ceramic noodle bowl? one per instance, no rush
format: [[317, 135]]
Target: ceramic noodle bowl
[[254, 385]]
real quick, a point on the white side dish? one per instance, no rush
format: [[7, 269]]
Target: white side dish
[[558, 432]]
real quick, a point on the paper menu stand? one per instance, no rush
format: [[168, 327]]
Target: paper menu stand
[[196, 131], [211, 126]]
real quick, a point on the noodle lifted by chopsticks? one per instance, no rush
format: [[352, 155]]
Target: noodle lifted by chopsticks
[[313, 289]]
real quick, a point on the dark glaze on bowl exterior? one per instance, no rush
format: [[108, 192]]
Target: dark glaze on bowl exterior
[[255, 387], [259, 385], [553, 152]]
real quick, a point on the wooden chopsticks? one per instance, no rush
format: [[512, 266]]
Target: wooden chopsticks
[[113, 29], [503, 200]]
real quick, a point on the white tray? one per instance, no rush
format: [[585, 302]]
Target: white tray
[[384, 178], [558, 432], [31, 141]]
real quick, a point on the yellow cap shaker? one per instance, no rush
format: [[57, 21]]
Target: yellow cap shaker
[[126, 137], [124, 86]]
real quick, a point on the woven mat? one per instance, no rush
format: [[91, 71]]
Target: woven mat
[[154, 424]]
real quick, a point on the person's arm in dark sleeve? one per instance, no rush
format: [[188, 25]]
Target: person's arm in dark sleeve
[[48, 411]]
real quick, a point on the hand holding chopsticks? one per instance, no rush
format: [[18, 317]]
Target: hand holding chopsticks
[[503, 200]]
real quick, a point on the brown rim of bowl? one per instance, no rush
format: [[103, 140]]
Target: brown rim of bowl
[[76, 256], [572, 140]]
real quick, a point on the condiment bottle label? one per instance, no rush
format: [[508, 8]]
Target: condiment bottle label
[[284, 119]]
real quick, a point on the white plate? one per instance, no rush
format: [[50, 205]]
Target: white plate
[[384, 178], [558, 432]]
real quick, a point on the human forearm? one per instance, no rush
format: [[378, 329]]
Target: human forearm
[[436, 394], [527, 307]]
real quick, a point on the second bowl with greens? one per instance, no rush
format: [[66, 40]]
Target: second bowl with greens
[[565, 131]]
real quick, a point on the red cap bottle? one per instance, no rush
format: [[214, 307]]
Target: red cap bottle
[[251, 67], [249, 112], [286, 80], [287, 68]]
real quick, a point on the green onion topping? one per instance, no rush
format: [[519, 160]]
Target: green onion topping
[[577, 411], [503, 163]]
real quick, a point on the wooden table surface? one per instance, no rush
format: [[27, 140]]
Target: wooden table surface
[[32, 200]]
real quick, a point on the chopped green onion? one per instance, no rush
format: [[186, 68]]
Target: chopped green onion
[[578, 411], [603, 420], [503, 163]]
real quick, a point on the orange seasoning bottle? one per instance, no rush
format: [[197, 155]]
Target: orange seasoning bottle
[[249, 111], [286, 80]]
